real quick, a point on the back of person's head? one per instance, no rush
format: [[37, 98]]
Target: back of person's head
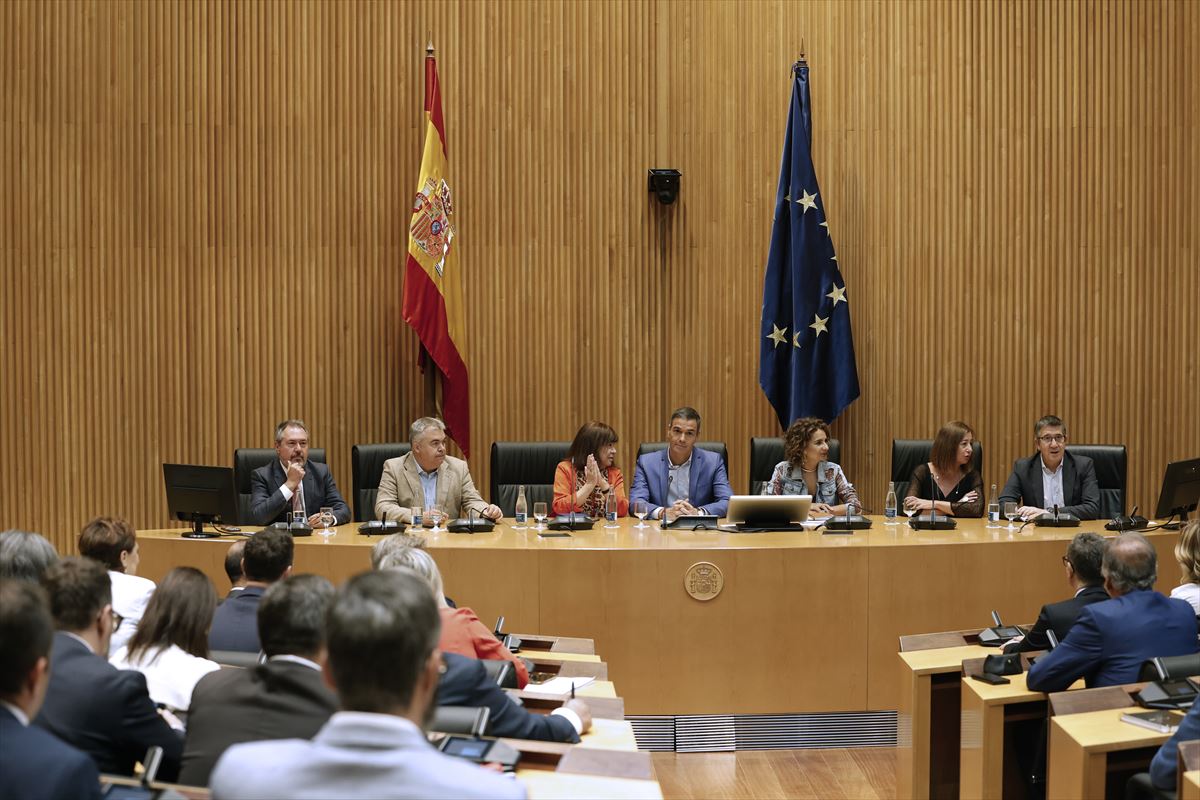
[[1130, 563], [381, 630], [25, 556], [420, 562], [233, 562], [180, 613], [268, 555], [1086, 554], [291, 616], [391, 543], [105, 538], [1187, 552], [26, 631], [79, 589], [944, 453]]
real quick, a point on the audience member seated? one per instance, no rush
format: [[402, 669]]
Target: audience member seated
[[462, 632], [1053, 477], [90, 704], [805, 469], [1165, 765], [113, 543], [1085, 555], [382, 633], [171, 644], [233, 568], [266, 559], [33, 763], [426, 477], [285, 697], [25, 556], [1111, 639], [583, 480], [670, 481], [391, 544], [1187, 553], [959, 486]]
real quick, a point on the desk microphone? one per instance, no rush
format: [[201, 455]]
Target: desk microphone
[[932, 522], [663, 524]]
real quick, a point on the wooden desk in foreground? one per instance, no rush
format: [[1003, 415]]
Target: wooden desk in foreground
[[1189, 786], [1092, 754], [672, 654]]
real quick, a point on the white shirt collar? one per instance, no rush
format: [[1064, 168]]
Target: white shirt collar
[[81, 640], [1050, 472], [17, 712], [296, 660]]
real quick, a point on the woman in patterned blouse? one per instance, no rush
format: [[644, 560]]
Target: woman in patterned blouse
[[806, 470], [584, 479]]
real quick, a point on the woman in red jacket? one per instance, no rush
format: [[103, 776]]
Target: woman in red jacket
[[584, 479]]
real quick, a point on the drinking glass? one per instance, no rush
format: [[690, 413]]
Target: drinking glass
[[327, 519], [436, 514], [417, 519], [909, 511], [1010, 512], [539, 513], [640, 511], [298, 519]]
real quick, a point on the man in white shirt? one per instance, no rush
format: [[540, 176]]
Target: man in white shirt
[[1052, 477]]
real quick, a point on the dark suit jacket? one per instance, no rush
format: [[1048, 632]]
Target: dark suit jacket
[[266, 501], [708, 485], [104, 711], [466, 683], [1110, 640], [34, 763], [1165, 765], [1058, 617], [276, 700], [235, 622], [1081, 492]]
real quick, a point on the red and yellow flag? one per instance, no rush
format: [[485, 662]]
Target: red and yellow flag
[[433, 284]]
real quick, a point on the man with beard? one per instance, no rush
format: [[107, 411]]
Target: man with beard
[[293, 483]]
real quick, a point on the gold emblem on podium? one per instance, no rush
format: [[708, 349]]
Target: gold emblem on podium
[[703, 580]]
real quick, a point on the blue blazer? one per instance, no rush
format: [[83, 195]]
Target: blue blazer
[[320, 489], [466, 683], [235, 623], [708, 485], [1110, 640], [34, 763], [1166, 761]]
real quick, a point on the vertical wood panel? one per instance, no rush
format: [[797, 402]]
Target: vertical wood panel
[[203, 211]]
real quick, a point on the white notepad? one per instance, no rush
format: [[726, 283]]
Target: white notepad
[[558, 685]]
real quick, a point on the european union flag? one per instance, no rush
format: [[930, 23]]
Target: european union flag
[[806, 362]]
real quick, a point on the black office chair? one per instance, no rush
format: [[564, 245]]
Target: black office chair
[[1111, 469], [461, 720], [907, 454], [712, 447], [248, 459], [1170, 668], [528, 464], [366, 464], [766, 452]]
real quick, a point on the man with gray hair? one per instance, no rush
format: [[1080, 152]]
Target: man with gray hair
[[292, 483], [1110, 640], [427, 477], [25, 556], [1083, 565]]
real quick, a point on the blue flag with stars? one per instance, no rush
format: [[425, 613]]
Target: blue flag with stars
[[806, 358]]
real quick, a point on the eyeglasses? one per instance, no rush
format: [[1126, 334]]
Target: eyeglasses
[[1055, 438]]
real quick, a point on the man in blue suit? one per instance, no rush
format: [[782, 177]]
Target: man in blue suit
[[1110, 640], [267, 558], [33, 762], [681, 480]]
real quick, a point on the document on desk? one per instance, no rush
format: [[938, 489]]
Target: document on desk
[[558, 685]]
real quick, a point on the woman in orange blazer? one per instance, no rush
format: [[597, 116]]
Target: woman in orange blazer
[[584, 479]]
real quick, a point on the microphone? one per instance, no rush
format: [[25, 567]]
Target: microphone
[[932, 522], [1056, 512], [670, 485]]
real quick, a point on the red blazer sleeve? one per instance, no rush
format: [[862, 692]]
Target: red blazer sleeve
[[487, 646], [564, 489], [617, 481]]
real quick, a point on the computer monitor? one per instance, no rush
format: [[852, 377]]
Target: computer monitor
[[784, 511], [1180, 490], [198, 495]]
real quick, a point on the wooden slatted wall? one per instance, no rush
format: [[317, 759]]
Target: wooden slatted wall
[[203, 212]]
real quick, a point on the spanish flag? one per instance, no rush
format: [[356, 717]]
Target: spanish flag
[[433, 283]]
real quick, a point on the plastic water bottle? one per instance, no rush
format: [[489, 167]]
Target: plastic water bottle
[[993, 509], [610, 510], [889, 505], [522, 509]]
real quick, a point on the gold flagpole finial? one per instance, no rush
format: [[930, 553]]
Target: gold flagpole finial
[[803, 56], [429, 47]]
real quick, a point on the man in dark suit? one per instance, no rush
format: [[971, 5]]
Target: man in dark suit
[[90, 704], [682, 480], [1053, 477], [293, 483], [1083, 562], [281, 699], [233, 568], [33, 763], [266, 559], [1110, 640]]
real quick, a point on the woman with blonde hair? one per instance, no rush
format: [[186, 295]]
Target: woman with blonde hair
[[1187, 553]]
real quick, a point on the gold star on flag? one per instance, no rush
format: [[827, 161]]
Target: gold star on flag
[[807, 200], [779, 335], [796, 339], [838, 295], [825, 225], [819, 324]]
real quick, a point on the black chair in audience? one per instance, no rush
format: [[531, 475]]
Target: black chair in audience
[[524, 463], [461, 720], [366, 464], [1170, 668], [767, 451], [712, 447], [248, 459], [1111, 469], [908, 453]]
